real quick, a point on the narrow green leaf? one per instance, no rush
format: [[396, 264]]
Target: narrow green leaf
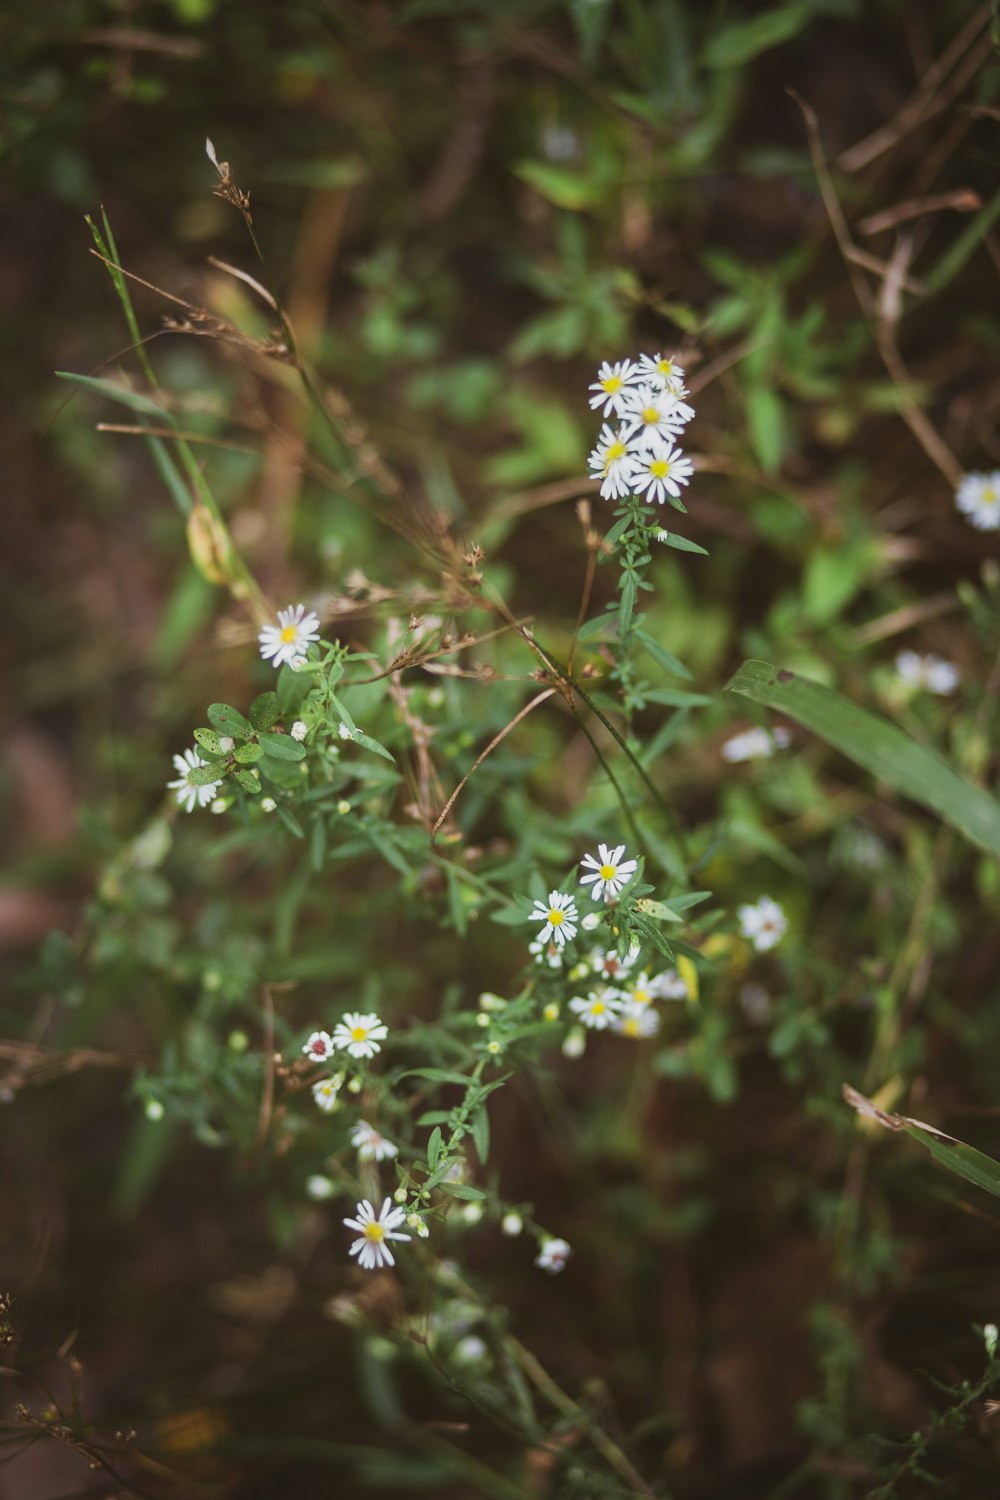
[[434, 1147], [114, 392], [369, 744], [766, 421], [881, 747], [290, 821], [681, 543], [660, 654], [264, 710], [481, 1134], [229, 720], [317, 842], [740, 42], [463, 1190], [282, 747], [600, 625]]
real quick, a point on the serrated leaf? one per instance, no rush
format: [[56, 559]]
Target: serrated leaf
[[247, 754], [264, 710], [282, 747], [229, 720]]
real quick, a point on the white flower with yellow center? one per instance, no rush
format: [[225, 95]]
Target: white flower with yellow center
[[553, 1255], [326, 1093], [608, 872], [560, 917], [657, 370], [637, 1021], [359, 1035], [599, 1008], [188, 795], [641, 991], [931, 673], [610, 386], [375, 1231], [294, 632], [370, 1145], [978, 498], [661, 473], [653, 417], [764, 923], [612, 461]]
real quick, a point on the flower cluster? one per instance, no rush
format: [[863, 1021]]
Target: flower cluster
[[637, 452], [627, 1007]]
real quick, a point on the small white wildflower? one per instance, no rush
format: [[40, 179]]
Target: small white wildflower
[[319, 1046], [298, 730], [642, 990], [494, 1048], [662, 473], [575, 1042], [931, 673], [978, 499], [546, 953], [286, 641], [612, 462], [752, 744], [764, 923], [653, 418], [559, 916], [343, 806], [345, 731], [991, 1334], [553, 1255], [655, 370], [325, 1093], [670, 986], [470, 1350], [551, 1012], [598, 1009], [188, 795], [472, 1213], [609, 871], [297, 663], [636, 1021], [359, 1034], [610, 386], [267, 804], [375, 1231], [511, 1225], [591, 920], [605, 961], [319, 1188], [370, 1145], [226, 743]]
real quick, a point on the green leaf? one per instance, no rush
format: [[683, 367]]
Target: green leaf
[[881, 747], [229, 720], [205, 775], [366, 740], [248, 780], [965, 1161], [247, 754], [680, 543], [600, 625], [290, 821], [463, 1190], [766, 421], [317, 842], [282, 747], [560, 185], [660, 654], [732, 46], [434, 1147], [481, 1134], [264, 710], [119, 393], [208, 740]]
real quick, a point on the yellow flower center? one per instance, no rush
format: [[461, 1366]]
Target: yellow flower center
[[359, 1033], [989, 497], [607, 872], [614, 453], [289, 632], [631, 1026], [374, 1232], [660, 468], [612, 384], [641, 997], [665, 366], [598, 1008], [555, 917], [651, 416]]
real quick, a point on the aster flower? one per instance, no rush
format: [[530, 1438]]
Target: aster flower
[[553, 1255], [661, 472], [669, 986], [608, 873], [657, 370], [607, 963], [546, 953], [188, 795], [610, 386], [375, 1231], [319, 1046], [764, 923], [326, 1093], [359, 1034], [753, 744], [636, 1021], [642, 990], [291, 636], [599, 1008], [370, 1145], [612, 461], [653, 417], [929, 672], [978, 499], [560, 918]]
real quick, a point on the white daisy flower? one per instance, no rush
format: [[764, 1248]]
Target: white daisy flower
[[932, 673], [560, 918], [376, 1230], [298, 730], [669, 986], [608, 873], [636, 1021], [612, 461], [978, 498], [607, 963], [319, 1046], [752, 744], [653, 417], [188, 795], [326, 1093], [610, 386], [662, 472], [553, 1255], [359, 1034], [657, 370], [764, 923], [288, 639], [641, 991], [546, 953], [370, 1145], [599, 1009]]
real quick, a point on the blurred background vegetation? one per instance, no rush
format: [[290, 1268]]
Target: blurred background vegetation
[[464, 207]]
